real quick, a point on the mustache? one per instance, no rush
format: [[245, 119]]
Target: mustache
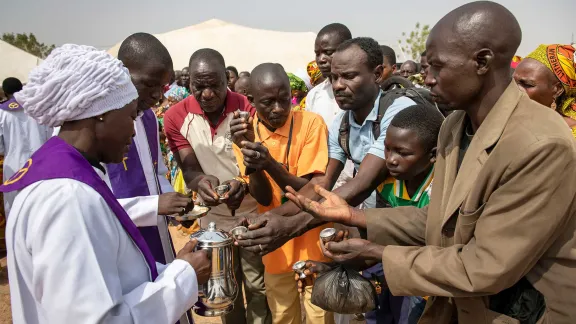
[[341, 94]]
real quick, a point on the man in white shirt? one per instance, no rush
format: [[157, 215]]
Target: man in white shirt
[[320, 99], [20, 135], [74, 255]]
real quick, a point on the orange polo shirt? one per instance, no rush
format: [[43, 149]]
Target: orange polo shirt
[[308, 155]]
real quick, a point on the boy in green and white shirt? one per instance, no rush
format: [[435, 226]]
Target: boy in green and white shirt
[[410, 151], [395, 192]]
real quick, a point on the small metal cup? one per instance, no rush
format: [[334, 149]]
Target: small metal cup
[[238, 230], [245, 115], [299, 268], [327, 235], [222, 190]]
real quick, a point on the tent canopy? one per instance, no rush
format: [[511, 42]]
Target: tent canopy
[[241, 46], [15, 62]]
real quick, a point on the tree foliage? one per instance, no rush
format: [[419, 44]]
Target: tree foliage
[[415, 43], [28, 43]]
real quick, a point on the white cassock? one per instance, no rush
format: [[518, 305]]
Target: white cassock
[[143, 210], [20, 136], [71, 261]]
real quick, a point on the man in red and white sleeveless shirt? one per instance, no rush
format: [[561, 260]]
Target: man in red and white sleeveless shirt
[[198, 132]]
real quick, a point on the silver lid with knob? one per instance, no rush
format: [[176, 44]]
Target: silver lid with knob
[[212, 237]]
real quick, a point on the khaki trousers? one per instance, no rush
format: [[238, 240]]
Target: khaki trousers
[[284, 301], [249, 273]]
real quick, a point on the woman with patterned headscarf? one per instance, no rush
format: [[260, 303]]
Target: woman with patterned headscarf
[[299, 92], [549, 77], [314, 73]]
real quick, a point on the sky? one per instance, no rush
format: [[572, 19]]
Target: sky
[[103, 23]]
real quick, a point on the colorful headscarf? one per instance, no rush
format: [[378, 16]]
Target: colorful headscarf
[[177, 94], [296, 83], [301, 106], [560, 59], [515, 61], [313, 72]]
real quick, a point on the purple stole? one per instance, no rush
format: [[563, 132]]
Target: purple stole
[[10, 105], [56, 159], [128, 181]]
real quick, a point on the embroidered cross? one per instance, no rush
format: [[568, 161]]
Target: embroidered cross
[[124, 162]]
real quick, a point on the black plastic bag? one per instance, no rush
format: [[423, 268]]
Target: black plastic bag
[[343, 291]]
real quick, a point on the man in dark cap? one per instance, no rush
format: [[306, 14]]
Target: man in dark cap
[[497, 242]]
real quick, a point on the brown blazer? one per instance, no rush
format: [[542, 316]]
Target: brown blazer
[[507, 213]]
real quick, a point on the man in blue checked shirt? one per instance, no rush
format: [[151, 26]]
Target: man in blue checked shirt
[[356, 71]]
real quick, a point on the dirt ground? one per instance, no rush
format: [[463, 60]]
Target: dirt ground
[[179, 238]]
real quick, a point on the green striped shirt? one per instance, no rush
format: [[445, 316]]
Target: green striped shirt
[[395, 193]]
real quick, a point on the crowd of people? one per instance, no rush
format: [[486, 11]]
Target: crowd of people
[[449, 180]]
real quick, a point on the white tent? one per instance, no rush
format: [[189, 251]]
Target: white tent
[[15, 62], [241, 46]]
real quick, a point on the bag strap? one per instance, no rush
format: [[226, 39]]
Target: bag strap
[[386, 100], [344, 135]]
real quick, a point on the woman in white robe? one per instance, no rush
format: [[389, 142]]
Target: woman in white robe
[[74, 256]]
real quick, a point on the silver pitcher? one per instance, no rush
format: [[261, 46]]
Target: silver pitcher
[[216, 297]]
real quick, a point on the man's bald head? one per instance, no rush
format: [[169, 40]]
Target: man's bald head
[[207, 56], [242, 86], [268, 73], [478, 25], [271, 90], [142, 48], [150, 67], [469, 52]]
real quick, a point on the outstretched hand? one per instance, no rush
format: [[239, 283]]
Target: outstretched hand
[[332, 209]]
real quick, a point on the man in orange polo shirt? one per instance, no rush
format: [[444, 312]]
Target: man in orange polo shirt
[[282, 148]]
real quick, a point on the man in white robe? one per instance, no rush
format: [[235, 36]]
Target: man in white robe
[[20, 135], [74, 255]]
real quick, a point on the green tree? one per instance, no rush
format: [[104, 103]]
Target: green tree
[[415, 43], [28, 43]]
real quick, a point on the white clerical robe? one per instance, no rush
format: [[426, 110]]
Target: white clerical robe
[[71, 261], [143, 210], [20, 136]]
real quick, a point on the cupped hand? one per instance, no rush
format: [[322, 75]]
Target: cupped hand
[[353, 251], [235, 195], [256, 156], [312, 268], [242, 130], [206, 191], [172, 203]]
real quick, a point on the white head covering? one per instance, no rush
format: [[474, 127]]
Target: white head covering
[[76, 82], [302, 74]]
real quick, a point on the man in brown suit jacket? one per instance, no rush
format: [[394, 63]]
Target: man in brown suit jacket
[[499, 234]]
